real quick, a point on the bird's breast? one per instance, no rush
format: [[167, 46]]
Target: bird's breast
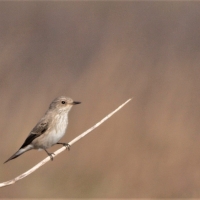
[[61, 122], [56, 130], [53, 134]]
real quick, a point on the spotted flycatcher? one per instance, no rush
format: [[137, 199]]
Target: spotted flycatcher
[[50, 129]]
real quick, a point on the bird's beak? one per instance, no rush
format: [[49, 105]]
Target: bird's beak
[[75, 102]]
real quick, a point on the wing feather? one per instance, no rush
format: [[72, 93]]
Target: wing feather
[[38, 130]]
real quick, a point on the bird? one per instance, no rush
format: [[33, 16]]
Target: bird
[[49, 129]]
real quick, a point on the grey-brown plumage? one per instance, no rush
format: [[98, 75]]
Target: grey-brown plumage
[[50, 129]]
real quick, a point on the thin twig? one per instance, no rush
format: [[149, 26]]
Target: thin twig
[[61, 149]]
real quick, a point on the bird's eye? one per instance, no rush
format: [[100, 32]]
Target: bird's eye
[[63, 102]]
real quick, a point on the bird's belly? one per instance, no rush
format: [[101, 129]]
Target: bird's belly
[[53, 134], [47, 140], [54, 137]]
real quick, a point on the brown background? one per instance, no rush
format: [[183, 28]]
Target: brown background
[[102, 53]]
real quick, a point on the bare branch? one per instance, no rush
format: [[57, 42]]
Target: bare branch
[[10, 182]]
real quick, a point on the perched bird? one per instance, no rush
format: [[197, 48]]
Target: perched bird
[[50, 129]]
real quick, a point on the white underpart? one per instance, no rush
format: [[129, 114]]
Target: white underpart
[[60, 128], [54, 134]]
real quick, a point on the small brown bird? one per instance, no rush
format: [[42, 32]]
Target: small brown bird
[[50, 129]]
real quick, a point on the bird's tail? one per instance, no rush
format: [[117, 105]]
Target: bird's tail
[[20, 152]]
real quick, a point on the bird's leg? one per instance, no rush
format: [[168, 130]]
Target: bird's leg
[[50, 154], [65, 144]]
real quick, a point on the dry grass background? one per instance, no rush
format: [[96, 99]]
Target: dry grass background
[[102, 53]]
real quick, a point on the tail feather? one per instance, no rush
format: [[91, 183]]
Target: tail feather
[[12, 157], [20, 152]]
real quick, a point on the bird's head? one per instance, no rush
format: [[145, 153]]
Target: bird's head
[[63, 103]]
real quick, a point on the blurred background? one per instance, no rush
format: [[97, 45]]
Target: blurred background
[[103, 53]]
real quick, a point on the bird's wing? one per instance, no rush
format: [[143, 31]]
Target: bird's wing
[[38, 130]]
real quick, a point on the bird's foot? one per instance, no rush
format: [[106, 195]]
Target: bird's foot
[[50, 154], [65, 145]]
